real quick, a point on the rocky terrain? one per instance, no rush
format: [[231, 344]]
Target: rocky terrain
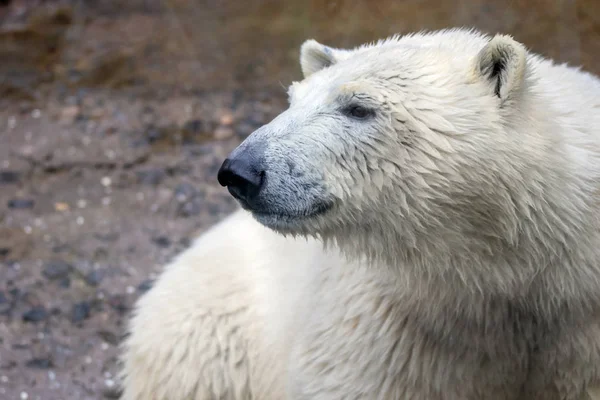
[[114, 118]]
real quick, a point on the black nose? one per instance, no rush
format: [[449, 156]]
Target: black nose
[[242, 176]]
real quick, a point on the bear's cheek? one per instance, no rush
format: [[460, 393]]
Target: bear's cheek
[[347, 189]]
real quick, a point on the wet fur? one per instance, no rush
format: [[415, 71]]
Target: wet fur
[[467, 215]]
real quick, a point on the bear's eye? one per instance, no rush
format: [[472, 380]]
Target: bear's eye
[[358, 112]]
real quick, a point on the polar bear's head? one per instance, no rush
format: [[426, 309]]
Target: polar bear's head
[[408, 141]]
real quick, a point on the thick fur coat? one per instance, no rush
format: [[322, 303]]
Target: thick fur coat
[[424, 223]]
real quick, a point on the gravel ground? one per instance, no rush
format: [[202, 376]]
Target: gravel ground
[[114, 118], [90, 216]]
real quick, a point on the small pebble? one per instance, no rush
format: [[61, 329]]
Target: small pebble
[[12, 122], [69, 114], [56, 269], [88, 360], [106, 201], [80, 220], [94, 278], [226, 119], [21, 204], [60, 206], [153, 134], [106, 181], [152, 176], [81, 203], [109, 383], [193, 126], [28, 229], [118, 303], [9, 177], [145, 286], [162, 241], [36, 314], [36, 113], [51, 375], [80, 312], [107, 237], [191, 208], [184, 191], [130, 290], [65, 282], [24, 396], [109, 337], [4, 379], [39, 363]]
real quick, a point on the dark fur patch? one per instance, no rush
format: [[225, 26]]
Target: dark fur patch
[[497, 68]]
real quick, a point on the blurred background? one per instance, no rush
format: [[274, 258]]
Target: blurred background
[[114, 118]]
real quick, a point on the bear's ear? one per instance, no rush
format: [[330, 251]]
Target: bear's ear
[[502, 62], [315, 56]]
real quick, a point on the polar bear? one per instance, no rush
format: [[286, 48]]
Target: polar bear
[[422, 222]]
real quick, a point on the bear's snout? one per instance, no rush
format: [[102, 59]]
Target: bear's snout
[[243, 174]]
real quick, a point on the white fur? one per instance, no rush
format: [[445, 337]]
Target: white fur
[[468, 216], [219, 321]]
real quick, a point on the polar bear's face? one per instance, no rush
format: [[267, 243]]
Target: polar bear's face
[[402, 131]]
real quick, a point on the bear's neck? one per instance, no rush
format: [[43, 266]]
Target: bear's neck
[[474, 271]]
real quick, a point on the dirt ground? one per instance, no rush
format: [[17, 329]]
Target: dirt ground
[[114, 118], [99, 187]]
